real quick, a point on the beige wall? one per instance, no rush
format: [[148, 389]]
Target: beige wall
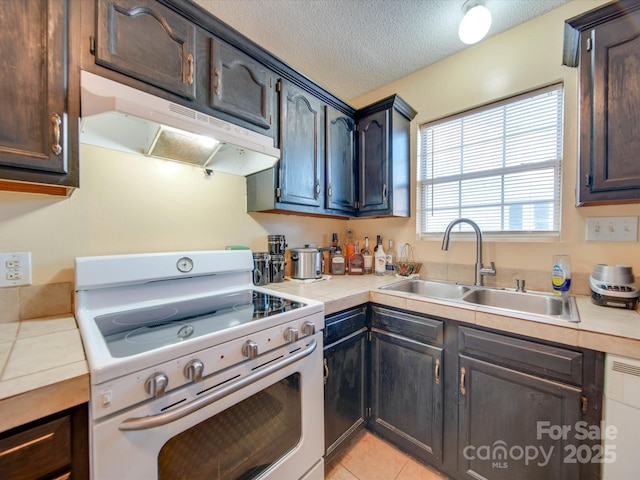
[[518, 60], [130, 204]]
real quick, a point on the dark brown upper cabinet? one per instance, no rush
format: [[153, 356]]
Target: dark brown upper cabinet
[[341, 169], [240, 86], [383, 158], [147, 41], [302, 147], [605, 43], [39, 137]]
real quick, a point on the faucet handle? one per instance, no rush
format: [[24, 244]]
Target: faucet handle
[[489, 271], [520, 284]]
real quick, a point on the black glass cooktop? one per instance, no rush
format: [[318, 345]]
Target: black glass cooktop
[[143, 329]]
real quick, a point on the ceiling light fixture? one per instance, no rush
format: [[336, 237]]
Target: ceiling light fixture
[[476, 22]]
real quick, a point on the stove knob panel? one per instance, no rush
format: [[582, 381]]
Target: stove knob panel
[[250, 349], [193, 370], [291, 335], [156, 384], [308, 328]]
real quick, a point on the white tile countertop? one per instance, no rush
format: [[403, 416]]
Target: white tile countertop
[[43, 368]]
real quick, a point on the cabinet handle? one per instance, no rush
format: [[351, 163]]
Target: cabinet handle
[[326, 371], [216, 80], [463, 390], [436, 373], [56, 121], [329, 191], [384, 192], [317, 190], [190, 74], [29, 443]]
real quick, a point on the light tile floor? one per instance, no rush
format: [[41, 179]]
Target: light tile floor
[[367, 457]]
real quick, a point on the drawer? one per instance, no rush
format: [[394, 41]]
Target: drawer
[[38, 451], [415, 326], [341, 324], [524, 355]]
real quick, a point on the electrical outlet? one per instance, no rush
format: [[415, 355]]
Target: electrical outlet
[[15, 269], [612, 229]]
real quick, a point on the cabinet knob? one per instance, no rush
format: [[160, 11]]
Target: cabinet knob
[[156, 384], [250, 349], [193, 370]]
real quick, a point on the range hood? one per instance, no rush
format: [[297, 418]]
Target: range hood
[[119, 117]]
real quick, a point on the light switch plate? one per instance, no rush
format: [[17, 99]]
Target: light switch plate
[[15, 269], [612, 229]]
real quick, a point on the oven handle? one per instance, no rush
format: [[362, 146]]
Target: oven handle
[[152, 421]]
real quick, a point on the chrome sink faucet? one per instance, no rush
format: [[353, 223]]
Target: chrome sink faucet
[[480, 270]]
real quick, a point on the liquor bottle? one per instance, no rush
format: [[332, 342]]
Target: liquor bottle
[[390, 260], [379, 258], [368, 258], [356, 261], [337, 260], [349, 247]]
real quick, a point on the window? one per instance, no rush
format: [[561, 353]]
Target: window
[[498, 165]]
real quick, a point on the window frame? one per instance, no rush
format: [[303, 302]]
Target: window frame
[[424, 182]]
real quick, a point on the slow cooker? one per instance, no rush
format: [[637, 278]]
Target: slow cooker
[[306, 262]]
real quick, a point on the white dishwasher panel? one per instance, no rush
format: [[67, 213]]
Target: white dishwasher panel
[[622, 410]]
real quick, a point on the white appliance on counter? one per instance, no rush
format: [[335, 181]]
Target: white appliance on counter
[[622, 411], [197, 373]]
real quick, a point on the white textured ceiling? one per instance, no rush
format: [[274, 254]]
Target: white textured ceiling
[[351, 47]]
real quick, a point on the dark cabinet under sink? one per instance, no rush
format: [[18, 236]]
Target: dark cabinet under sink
[[406, 381], [447, 393]]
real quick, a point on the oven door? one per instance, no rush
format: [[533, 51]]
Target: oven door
[[265, 424]]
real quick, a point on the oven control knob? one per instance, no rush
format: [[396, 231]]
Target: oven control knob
[[308, 328], [250, 349], [156, 384], [291, 335], [193, 370]]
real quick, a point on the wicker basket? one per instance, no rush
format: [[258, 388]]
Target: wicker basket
[[405, 265]]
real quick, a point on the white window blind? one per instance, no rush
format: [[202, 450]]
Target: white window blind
[[498, 165]]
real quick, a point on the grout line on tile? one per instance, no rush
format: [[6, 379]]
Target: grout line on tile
[[6, 362]]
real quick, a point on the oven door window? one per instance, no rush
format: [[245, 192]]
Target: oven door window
[[241, 442]]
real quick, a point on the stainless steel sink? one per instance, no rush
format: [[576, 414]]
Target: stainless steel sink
[[525, 304], [534, 303], [429, 288]]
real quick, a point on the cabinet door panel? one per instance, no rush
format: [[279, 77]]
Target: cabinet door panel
[[345, 384], [373, 142], [406, 393], [616, 105], [499, 414], [341, 176], [147, 41], [38, 452], [240, 86], [32, 85], [301, 146]]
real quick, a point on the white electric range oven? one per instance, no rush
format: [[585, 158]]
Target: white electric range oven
[[196, 373]]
